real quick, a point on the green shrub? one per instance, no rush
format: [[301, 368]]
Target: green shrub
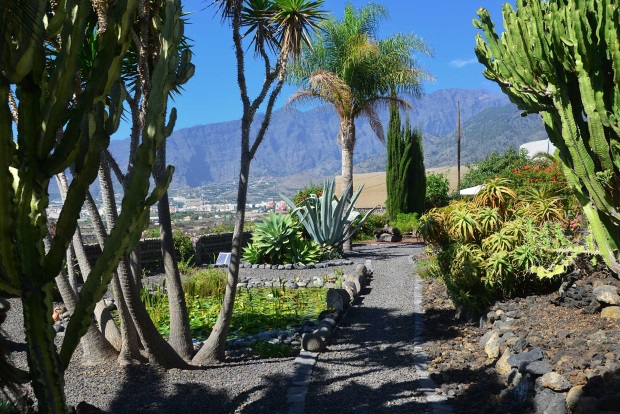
[[437, 187], [277, 240], [494, 165], [496, 247], [406, 223], [366, 230], [304, 193], [183, 247]]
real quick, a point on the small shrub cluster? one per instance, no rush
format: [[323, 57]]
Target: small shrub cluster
[[366, 230], [278, 239], [437, 188], [304, 193], [406, 223], [502, 243]]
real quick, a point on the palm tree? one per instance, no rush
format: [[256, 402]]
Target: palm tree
[[347, 66], [277, 27]]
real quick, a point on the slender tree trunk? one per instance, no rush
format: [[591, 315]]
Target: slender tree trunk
[[130, 342], [214, 348], [346, 138], [180, 333], [157, 349], [102, 314]]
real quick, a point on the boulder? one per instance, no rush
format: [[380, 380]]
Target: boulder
[[611, 312], [492, 346], [573, 397], [524, 358], [555, 382], [607, 295], [538, 368], [502, 367], [349, 287], [312, 342], [356, 279], [549, 402], [337, 299]]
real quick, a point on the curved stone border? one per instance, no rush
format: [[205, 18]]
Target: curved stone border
[[305, 362], [437, 403]]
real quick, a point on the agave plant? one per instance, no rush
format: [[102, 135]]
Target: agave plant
[[277, 240], [326, 218]]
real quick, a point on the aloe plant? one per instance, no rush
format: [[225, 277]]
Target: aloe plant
[[326, 217]]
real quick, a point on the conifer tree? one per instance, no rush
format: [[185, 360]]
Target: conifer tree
[[405, 175]]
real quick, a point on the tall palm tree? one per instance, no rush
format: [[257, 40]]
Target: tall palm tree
[[347, 66]]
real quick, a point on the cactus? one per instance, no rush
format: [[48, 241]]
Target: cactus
[[561, 59], [45, 89]]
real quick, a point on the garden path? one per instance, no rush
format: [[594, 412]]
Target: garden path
[[375, 362]]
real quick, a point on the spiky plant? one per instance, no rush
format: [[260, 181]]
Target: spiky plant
[[561, 59]]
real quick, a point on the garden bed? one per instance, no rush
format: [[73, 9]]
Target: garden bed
[[583, 348]]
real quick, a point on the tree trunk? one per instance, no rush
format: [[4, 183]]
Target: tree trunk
[[157, 349], [180, 334], [96, 350], [346, 138], [214, 348], [102, 314], [130, 343]]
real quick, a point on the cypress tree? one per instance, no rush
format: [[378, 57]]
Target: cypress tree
[[392, 181], [405, 174]]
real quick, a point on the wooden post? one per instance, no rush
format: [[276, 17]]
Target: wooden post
[[458, 149]]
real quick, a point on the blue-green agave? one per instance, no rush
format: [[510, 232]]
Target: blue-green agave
[[326, 218]]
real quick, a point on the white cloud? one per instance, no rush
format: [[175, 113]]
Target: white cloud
[[459, 63]]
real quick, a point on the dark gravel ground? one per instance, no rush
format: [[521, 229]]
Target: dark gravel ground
[[251, 386], [369, 364]]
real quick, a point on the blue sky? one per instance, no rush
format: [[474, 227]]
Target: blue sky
[[212, 94]]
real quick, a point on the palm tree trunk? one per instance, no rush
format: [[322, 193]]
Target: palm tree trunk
[[102, 314], [180, 334], [214, 348], [155, 346], [346, 138]]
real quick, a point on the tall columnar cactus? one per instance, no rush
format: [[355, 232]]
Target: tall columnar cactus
[[561, 59], [60, 128]]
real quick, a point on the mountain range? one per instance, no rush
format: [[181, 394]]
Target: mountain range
[[304, 143]]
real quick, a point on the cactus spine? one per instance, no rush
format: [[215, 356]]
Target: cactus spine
[[561, 59]]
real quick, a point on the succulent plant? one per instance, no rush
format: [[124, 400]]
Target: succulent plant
[[326, 217]]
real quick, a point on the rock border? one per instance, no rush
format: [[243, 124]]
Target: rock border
[[438, 403], [306, 360]]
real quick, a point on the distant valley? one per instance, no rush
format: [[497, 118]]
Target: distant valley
[[300, 147]]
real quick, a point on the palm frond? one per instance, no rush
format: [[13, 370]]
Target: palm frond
[[370, 113]]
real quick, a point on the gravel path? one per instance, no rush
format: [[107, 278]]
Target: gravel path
[[369, 365]]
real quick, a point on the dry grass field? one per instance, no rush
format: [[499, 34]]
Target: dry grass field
[[374, 192]]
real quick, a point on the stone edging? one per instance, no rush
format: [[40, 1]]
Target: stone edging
[[306, 360], [437, 403]]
